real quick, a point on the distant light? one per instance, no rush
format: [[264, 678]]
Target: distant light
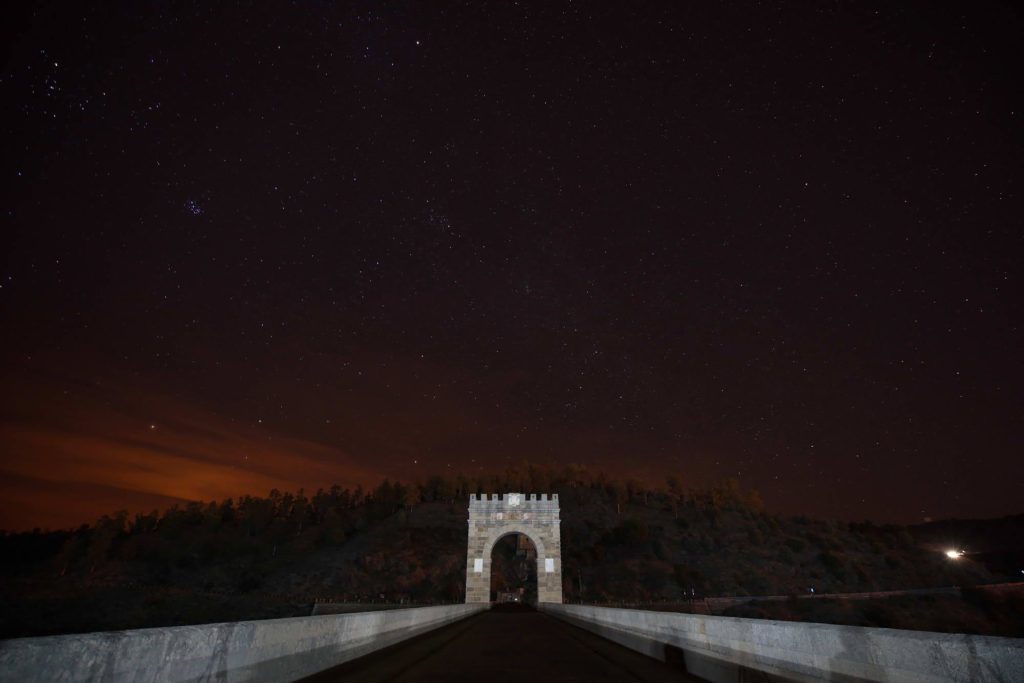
[[954, 554]]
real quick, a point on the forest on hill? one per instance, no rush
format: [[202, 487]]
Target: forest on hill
[[273, 556]]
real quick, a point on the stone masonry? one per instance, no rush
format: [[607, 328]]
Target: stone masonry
[[492, 516]]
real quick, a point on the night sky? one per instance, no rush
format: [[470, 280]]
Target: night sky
[[290, 245]]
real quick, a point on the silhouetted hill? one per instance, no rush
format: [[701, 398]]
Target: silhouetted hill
[[998, 543], [269, 557]]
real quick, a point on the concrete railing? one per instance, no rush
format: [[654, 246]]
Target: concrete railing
[[265, 650], [721, 649]]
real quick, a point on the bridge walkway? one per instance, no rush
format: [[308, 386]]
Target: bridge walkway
[[508, 643]]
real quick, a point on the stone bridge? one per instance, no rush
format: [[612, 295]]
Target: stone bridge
[[473, 642]]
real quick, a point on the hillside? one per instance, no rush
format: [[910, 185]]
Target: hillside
[[996, 543], [270, 557]]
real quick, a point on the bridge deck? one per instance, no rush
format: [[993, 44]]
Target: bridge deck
[[507, 643]]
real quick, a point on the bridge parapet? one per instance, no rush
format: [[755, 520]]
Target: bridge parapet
[[727, 649], [265, 651]]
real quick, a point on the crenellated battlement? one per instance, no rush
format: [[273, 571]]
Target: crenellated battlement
[[512, 498], [513, 506]]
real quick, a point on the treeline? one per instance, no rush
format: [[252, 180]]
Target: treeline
[[623, 540], [289, 522]]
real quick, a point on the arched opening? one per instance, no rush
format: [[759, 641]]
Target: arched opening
[[514, 570]]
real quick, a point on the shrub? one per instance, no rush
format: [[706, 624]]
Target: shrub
[[834, 562], [631, 532]]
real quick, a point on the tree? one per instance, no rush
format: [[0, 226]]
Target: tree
[[408, 496], [107, 529], [619, 494], [676, 493], [637, 490], [72, 550], [438, 489]]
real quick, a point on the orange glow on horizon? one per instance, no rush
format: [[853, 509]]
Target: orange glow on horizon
[[96, 459]]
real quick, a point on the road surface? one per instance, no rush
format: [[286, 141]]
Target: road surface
[[510, 644]]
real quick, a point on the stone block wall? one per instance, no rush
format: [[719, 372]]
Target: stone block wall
[[492, 516]]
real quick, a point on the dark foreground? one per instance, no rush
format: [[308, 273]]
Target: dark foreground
[[512, 644]]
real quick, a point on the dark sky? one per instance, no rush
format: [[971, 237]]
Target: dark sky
[[293, 244]]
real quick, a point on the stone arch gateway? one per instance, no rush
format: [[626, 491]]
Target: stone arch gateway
[[493, 516]]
